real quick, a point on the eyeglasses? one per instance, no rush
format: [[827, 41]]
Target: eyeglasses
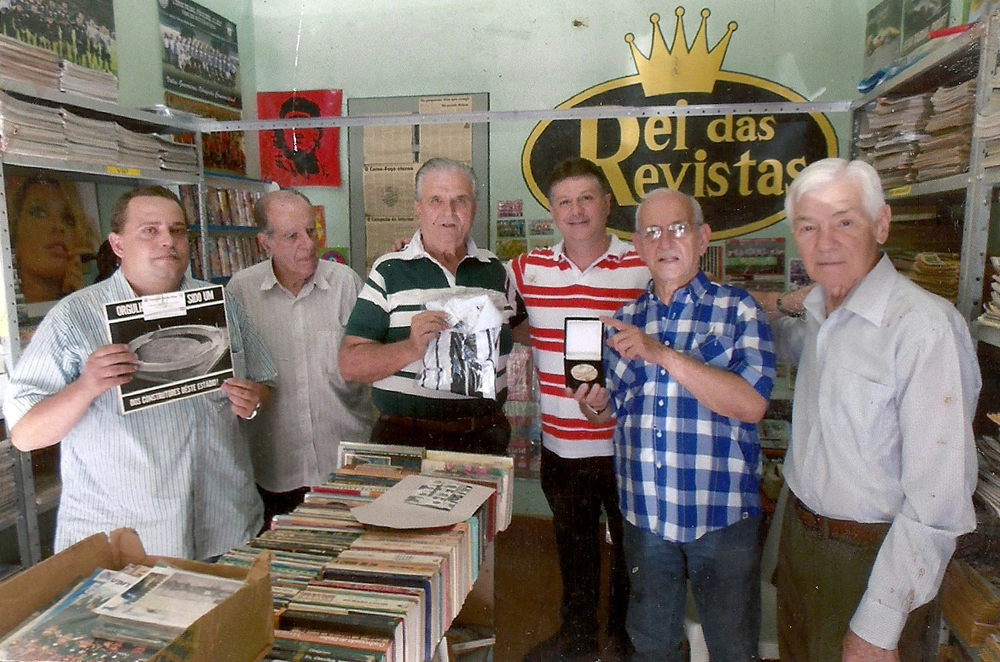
[[678, 230]]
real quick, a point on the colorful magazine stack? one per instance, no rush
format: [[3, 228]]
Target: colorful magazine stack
[[127, 615]]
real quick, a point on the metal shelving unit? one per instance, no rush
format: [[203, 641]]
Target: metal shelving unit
[[966, 56]]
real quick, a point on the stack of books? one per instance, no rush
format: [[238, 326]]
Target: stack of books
[[346, 590], [91, 83], [23, 63], [889, 136], [945, 150]]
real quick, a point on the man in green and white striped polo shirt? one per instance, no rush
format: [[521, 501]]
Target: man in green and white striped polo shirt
[[390, 328]]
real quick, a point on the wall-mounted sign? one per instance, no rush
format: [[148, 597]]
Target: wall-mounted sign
[[738, 166]]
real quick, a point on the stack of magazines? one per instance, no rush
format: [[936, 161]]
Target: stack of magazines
[[889, 136], [91, 83], [27, 64], [945, 150], [90, 140], [137, 150], [179, 157], [937, 273], [988, 487], [345, 590], [30, 129], [121, 616]]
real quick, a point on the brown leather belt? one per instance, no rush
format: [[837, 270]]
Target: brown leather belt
[[840, 529], [454, 425]]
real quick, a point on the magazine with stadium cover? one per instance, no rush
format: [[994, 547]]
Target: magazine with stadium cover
[[182, 343]]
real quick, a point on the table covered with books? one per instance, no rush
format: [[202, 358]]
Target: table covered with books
[[340, 589]]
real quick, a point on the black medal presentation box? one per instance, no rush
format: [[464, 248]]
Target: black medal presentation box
[[583, 352]]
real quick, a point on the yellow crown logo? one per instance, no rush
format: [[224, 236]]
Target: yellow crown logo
[[679, 68]]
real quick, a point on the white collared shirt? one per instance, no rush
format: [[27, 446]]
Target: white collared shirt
[[312, 408], [884, 398]]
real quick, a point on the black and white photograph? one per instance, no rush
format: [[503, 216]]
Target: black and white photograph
[[182, 341]]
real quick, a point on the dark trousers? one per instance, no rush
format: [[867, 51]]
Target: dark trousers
[[280, 503], [491, 439], [820, 582], [576, 490]]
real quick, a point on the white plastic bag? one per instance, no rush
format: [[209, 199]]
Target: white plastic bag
[[464, 359]]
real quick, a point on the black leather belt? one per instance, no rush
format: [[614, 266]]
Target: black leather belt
[[452, 425]]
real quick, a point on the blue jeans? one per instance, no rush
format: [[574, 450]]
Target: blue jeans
[[724, 569]]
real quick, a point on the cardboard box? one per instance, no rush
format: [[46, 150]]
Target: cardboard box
[[241, 629]]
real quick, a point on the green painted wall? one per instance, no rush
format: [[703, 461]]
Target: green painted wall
[[527, 55]]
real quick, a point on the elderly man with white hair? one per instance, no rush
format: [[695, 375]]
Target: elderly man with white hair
[[881, 466]]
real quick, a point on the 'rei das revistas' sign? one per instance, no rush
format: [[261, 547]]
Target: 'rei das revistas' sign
[[738, 166]]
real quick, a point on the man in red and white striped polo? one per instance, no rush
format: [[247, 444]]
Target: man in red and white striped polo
[[588, 274]]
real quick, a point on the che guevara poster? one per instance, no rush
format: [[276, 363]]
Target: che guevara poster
[[302, 156]]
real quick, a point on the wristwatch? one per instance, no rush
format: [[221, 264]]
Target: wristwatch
[[784, 311]]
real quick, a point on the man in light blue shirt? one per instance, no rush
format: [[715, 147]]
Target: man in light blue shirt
[[178, 473]]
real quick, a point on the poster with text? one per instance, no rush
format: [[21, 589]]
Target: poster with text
[[201, 58], [80, 31], [305, 156], [182, 343]]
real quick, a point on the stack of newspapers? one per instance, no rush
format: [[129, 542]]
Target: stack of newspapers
[[890, 133], [937, 273]]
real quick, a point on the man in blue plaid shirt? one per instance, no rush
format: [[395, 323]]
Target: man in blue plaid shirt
[[688, 378]]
